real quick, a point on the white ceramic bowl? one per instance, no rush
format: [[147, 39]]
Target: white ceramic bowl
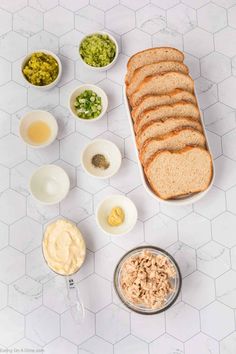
[[34, 116], [52, 84], [106, 148], [76, 92], [104, 209], [101, 68], [49, 184]]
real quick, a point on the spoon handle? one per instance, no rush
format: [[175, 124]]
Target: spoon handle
[[75, 302]]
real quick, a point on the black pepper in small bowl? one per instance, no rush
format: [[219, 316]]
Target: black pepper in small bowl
[[100, 161]]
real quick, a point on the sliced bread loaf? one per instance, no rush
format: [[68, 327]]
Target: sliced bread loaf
[[161, 84], [180, 109], [174, 140], [152, 101], [153, 69], [149, 56], [178, 173], [159, 128]]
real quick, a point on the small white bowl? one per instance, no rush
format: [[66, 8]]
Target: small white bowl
[[49, 184], [100, 68], [106, 148], [76, 92], [104, 209], [34, 116], [52, 84]]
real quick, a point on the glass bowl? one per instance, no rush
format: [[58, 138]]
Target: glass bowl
[[176, 282]]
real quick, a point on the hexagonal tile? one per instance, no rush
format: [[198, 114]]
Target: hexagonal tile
[[92, 131], [168, 37], [43, 5], [212, 205], [195, 4], [72, 5], [77, 206], [134, 5], [5, 124], [12, 7], [4, 172], [36, 266], [185, 257], [206, 92], [147, 328], [11, 51], [205, 293], [89, 19], [112, 323], [118, 122], [106, 260], [11, 326], [61, 346], [44, 156], [213, 259], [227, 345], [46, 100], [70, 170], [12, 206], [226, 89], [93, 242], [194, 230], [88, 183], [166, 345], [230, 198], [95, 301], [151, 19], [104, 5], [3, 295], [43, 40], [198, 42], [130, 45], [20, 175], [225, 173], [232, 16], [200, 344], [58, 21], [42, 326], [39, 212], [212, 17], [182, 321], [120, 19], [5, 19], [215, 144], [219, 118], [181, 18], [228, 144], [68, 72], [117, 72], [96, 344], [25, 295], [5, 68], [65, 122], [12, 97], [27, 21], [69, 44], [131, 344], [4, 235], [105, 192], [25, 235], [223, 45], [13, 265], [75, 141], [16, 151], [74, 332], [224, 3], [147, 206], [176, 212], [216, 67], [134, 238], [217, 320], [87, 268], [233, 258], [223, 229], [55, 294], [225, 288], [193, 64], [86, 75], [113, 91], [165, 231], [25, 343], [127, 178]]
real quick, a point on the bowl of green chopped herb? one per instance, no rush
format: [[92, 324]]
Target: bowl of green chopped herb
[[98, 51], [88, 103]]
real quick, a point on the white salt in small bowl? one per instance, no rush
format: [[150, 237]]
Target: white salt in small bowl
[[49, 184]]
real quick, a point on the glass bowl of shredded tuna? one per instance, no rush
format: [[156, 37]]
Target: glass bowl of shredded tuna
[[147, 280]]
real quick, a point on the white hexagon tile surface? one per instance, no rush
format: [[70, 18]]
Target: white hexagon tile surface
[[34, 311]]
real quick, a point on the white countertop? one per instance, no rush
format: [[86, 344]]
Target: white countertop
[[202, 237]]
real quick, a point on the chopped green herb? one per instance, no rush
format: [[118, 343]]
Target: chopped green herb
[[88, 105]]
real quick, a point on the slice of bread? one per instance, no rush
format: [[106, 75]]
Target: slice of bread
[[149, 56], [153, 69], [174, 140], [159, 128], [180, 109], [179, 173], [152, 101], [161, 84]]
